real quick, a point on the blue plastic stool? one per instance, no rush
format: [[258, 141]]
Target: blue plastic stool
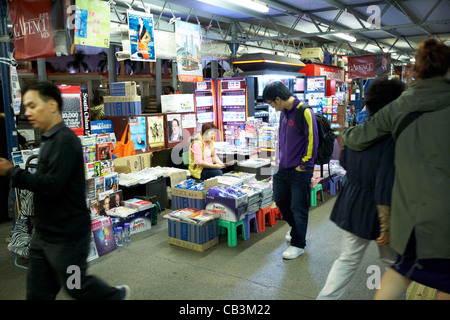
[[247, 220], [334, 184], [232, 230]]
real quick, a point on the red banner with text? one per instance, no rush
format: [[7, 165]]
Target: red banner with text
[[32, 28]]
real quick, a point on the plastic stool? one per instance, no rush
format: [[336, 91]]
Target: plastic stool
[[261, 217], [314, 194], [333, 185], [232, 230], [276, 212], [247, 219]]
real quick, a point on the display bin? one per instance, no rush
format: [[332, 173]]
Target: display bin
[[193, 236], [156, 189]]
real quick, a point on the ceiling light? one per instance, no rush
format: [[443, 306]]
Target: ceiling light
[[248, 4], [345, 37]]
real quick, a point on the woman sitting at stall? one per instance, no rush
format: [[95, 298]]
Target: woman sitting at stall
[[203, 161]]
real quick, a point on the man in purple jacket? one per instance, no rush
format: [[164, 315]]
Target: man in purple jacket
[[297, 153]]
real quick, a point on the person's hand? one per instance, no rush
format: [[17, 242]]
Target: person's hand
[[220, 165], [5, 165], [383, 239], [299, 169]]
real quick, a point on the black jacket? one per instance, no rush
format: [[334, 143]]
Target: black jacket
[[59, 186], [370, 177]]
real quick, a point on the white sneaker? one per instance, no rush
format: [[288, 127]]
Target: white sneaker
[[288, 236], [124, 292], [292, 252]]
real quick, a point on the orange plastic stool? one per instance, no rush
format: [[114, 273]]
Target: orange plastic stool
[[261, 217]]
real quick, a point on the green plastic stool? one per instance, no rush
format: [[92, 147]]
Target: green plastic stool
[[232, 230], [314, 194]]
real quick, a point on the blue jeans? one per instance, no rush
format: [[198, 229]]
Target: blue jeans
[[291, 192], [210, 173]]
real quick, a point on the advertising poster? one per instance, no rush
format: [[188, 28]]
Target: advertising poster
[[175, 127], [361, 67], [75, 110], [32, 29], [155, 131], [15, 91], [138, 132], [188, 44], [142, 40], [92, 23]]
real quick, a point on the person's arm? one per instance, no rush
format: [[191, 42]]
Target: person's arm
[[310, 139], [383, 189], [198, 156], [374, 128], [60, 165]]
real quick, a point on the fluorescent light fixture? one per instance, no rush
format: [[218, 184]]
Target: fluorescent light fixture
[[345, 37], [254, 5]]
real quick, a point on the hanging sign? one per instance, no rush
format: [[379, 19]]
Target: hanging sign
[[15, 91], [141, 35], [369, 66], [92, 23], [32, 29], [188, 44]]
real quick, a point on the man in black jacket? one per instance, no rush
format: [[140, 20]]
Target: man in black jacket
[[60, 243]]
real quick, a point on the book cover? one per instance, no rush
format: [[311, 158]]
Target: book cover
[[112, 181], [104, 237], [104, 151]]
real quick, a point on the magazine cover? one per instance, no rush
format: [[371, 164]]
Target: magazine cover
[[99, 185], [104, 151], [112, 181], [138, 133], [103, 235], [93, 253]]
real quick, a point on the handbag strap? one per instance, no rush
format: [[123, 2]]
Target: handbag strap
[[406, 121]]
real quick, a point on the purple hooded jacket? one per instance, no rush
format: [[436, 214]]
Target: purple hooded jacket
[[297, 148]]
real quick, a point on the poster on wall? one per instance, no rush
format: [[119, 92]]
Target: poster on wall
[[15, 91], [141, 35], [92, 23], [138, 133], [155, 131], [188, 44], [175, 127]]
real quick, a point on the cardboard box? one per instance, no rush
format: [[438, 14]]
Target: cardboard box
[[139, 221], [133, 163], [231, 209], [177, 103], [193, 236], [192, 194], [126, 88], [312, 53]]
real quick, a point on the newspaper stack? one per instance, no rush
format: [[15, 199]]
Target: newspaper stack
[[191, 215], [244, 176], [254, 196], [265, 190]]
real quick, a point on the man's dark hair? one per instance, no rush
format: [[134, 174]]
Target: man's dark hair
[[47, 91], [276, 89], [382, 91]]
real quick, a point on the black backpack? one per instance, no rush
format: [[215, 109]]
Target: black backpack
[[325, 133]]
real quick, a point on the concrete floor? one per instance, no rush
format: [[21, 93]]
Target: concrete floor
[[253, 270]]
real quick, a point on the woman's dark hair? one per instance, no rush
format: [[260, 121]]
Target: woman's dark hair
[[276, 89], [208, 126], [47, 91], [98, 96], [432, 59], [381, 91]]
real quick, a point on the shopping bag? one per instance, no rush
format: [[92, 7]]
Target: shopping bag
[[125, 147]]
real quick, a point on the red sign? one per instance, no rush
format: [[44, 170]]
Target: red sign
[[32, 28], [361, 67], [317, 69]]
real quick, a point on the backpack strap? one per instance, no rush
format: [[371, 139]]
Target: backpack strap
[[406, 121]]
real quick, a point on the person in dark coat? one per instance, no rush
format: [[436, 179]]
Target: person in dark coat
[[362, 207]]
